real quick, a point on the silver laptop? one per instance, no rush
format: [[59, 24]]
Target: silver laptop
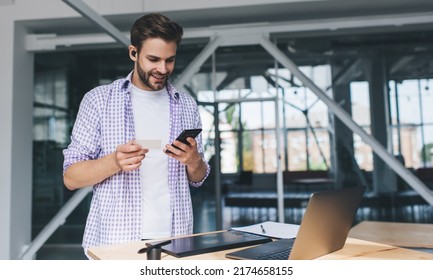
[[324, 228]]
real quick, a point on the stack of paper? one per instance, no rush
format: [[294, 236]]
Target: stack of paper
[[271, 229]]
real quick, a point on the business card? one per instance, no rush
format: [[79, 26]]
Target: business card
[[149, 144]]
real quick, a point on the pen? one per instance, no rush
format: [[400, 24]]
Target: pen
[[263, 229]]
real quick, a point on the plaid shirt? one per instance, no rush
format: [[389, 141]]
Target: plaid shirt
[[104, 121]]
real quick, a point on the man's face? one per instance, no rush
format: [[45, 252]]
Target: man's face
[[155, 63]]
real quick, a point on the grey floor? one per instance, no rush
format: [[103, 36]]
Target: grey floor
[[65, 243]]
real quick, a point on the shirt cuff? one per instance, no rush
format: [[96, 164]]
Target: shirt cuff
[[198, 184]]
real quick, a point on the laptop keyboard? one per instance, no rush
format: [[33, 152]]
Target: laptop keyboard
[[276, 250], [275, 255]]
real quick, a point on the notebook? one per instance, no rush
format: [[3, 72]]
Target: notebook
[[212, 242], [324, 228]]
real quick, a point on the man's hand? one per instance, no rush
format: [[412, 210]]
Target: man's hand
[[89, 172], [186, 154], [129, 156], [189, 156]]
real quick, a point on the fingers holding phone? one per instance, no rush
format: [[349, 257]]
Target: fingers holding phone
[[187, 154], [179, 147], [181, 140], [184, 148]]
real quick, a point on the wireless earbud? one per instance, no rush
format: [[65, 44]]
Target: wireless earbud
[[134, 53]]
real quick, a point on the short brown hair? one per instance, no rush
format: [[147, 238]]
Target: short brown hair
[[155, 26]]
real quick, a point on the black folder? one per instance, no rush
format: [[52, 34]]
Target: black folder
[[212, 242]]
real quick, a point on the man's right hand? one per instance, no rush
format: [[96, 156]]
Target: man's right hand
[[85, 173], [129, 156]]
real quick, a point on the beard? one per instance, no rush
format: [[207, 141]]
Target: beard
[[146, 76]]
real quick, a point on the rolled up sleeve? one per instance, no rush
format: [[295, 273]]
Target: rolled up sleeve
[[85, 137]]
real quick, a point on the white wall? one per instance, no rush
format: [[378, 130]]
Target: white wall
[[6, 46], [22, 140]]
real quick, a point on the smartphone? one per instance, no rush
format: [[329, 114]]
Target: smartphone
[[188, 133], [185, 134]]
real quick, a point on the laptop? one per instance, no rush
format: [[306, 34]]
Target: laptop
[[324, 228]]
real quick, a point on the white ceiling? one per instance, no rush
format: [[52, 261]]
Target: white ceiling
[[279, 12], [378, 28]]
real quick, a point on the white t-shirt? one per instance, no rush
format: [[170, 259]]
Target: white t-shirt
[[151, 120]]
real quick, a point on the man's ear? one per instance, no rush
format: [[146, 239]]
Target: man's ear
[[133, 53]]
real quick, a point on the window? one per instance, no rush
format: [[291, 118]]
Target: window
[[411, 121]]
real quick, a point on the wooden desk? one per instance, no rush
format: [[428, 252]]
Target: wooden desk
[[395, 234], [354, 249]]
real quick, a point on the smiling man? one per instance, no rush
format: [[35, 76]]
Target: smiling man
[[140, 191]]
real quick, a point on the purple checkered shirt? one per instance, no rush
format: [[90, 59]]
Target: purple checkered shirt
[[104, 121]]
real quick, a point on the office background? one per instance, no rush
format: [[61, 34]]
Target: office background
[[295, 96]]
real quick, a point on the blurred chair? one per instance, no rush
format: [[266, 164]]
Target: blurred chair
[[242, 183]]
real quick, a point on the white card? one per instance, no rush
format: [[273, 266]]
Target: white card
[[149, 144]]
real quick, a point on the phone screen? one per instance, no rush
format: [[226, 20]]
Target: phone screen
[[184, 135]]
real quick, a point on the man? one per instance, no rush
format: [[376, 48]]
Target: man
[[138, 192]]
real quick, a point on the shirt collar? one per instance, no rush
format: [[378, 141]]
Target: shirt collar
[[127, 84]]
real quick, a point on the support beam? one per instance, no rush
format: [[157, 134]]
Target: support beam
[[405, 174], [58, 220], [198, 61], [384, 180], [280, 182], [350, 73], [87, 12], [231, 76], [402, 62], [241, 72], [217, 169], [346, 169]]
